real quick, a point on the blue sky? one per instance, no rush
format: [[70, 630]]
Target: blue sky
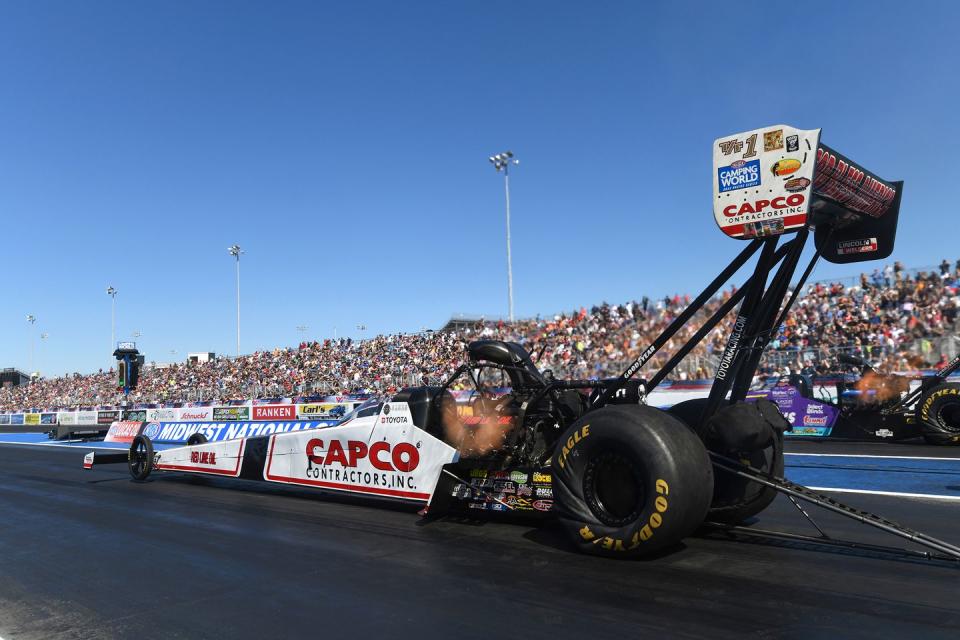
[[344, 146]]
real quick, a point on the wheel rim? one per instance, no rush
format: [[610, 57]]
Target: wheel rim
[[949, 416], [614, 488], [139, 458]]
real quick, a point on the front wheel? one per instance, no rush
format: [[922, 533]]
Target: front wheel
[[140, 458], [938, 414], [630, 480]]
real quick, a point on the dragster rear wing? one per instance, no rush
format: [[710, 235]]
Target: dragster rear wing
[[779, 179]]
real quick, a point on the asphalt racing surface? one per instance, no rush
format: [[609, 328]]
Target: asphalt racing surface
[[90, 554]]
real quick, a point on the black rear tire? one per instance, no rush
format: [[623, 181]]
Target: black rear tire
[[938, 414], [140, 458], [629, 480], [196, 438], [749, 432]]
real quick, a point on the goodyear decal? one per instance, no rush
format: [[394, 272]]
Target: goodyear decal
[[660, 506]]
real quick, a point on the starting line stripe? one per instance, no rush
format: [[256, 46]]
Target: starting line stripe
[[893, 494], [864, 455]]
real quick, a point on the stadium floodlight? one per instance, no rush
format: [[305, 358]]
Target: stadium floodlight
[[235, 251], [502, 162]]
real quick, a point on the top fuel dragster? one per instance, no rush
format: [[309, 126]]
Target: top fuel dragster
[[622, 478], [874, 406]]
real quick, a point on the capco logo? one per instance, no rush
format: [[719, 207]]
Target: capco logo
[[381, 455], [759, 206]]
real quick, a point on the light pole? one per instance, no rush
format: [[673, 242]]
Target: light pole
[[43, 341], [135, 335], [302, 328], [361, 328], [31, 319], [235, 251], [502, 162], [113, 316]]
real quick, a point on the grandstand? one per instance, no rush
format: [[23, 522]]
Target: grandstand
[[904, 320]]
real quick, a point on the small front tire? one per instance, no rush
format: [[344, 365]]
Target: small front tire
[[140, 458]]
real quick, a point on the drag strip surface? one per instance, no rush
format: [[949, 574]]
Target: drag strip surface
[[89, 554]]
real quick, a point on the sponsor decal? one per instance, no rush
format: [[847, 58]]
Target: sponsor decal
[[820, 421], [319, 410], [520, 504], [231, 413], [178, 432], [785, 167], [122, 431], [107, 417], [543, 505], [88, 460], [795, 185], [194, 413], [275, 412], [4, 418], [137, 415], [543, 492], [505, 487], [217, 458], [773, 140], [735, 146], [763, 228], [161, 415], [519, 477], [396, 460], [152, 430], [843, 181], [542, 478], [863, 245], [395, 413], [48, 418], [807, 431], [524, 490], [814, 409], [16, 418], [884, 433], [86, 417], [739, 175], [732, 345], [31, 419], [793, 143]]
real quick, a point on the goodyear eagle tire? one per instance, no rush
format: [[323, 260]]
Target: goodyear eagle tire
[[196, 438], [751, 432], [938, 414], [630, 480], [140, 458]]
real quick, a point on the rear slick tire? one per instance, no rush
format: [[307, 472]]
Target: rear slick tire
[[629, 480], [938, 414]]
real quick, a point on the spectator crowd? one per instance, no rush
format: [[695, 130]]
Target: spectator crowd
[[891, 316]]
